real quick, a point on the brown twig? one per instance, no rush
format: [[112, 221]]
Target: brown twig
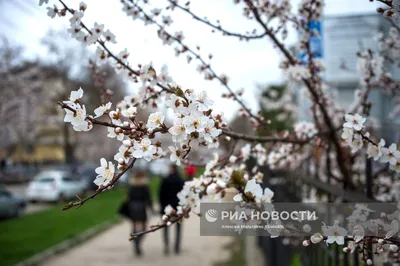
[[100, 189], [216, 27]]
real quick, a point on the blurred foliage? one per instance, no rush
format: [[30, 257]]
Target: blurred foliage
[[280, 118]]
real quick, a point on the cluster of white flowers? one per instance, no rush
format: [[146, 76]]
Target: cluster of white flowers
[[257, 151], [194, 124], [254, 192], [96, 33], [370, 66], [285, 156], [215, 179], [354, 135], [305, 130], [298, 72], [77, 116]]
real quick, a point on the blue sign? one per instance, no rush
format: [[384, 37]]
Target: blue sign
[[316, 42]]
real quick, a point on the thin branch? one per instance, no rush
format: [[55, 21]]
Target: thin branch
[[198, 57], [102, 44], [216, 27], [101, 189], [261, 139], [340, 156], [154, 228]]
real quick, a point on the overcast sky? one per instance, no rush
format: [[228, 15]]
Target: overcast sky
[[24, 23]]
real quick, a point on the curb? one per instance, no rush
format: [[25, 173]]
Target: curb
[[68, 244]]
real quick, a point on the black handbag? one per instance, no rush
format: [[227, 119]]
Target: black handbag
[[124, 209]]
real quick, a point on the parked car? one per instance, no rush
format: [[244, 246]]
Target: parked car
[[11, 205], [88, 175], [54, 185]]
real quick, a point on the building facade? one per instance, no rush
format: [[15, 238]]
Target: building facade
[[343, 37]]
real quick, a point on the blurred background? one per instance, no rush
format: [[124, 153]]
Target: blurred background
[[44, 163]]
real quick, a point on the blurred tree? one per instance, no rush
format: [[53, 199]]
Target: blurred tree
[[277, 106]]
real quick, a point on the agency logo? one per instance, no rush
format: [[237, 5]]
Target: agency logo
[[211, 215]]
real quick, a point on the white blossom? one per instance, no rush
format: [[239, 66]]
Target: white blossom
[[52, 11], [75, 30], [99, 111], [203, 102], [357, 143], [347, 134], [97, 30], [298, 72], [176, 155], [390, 155], [375, 151], [76, 17], [75, 96], [167, 20], [129, 112], [77, 118], [113, 134], [144, 149], [168, 210], [109, 36], [334, 233], [178, 131], [195, 123], [105, 173], [252, 190], [355, 122], [155, 120], [210, 132]]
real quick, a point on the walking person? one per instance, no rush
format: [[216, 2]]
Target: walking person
[[139, 200], [169, 188]]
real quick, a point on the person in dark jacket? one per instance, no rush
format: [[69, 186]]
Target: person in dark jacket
[[169, 188], [139, 199]]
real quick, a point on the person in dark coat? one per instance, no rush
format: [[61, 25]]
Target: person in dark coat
[[139, 200], [169, 188]]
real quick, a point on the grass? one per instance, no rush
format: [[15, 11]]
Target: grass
[[154, 183], [296, 260], [26, 236]]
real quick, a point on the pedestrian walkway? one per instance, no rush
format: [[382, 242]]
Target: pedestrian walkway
[[113, 248]]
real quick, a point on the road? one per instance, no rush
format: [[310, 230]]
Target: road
[[20, 189]]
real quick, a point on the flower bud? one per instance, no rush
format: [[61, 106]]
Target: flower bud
[[369, 262], [169, 223], [316, 238], [127, 143], [118, 130], [306, 243], [165, 218], [380, 241], [393, 248], [121, 161], [346, 250]]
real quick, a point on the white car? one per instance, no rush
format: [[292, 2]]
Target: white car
[[54, 185]]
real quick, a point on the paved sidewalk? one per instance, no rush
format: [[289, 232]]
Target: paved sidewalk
[[113, 248]]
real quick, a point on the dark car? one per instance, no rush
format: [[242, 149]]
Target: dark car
[[11, 205], [88, 174]]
